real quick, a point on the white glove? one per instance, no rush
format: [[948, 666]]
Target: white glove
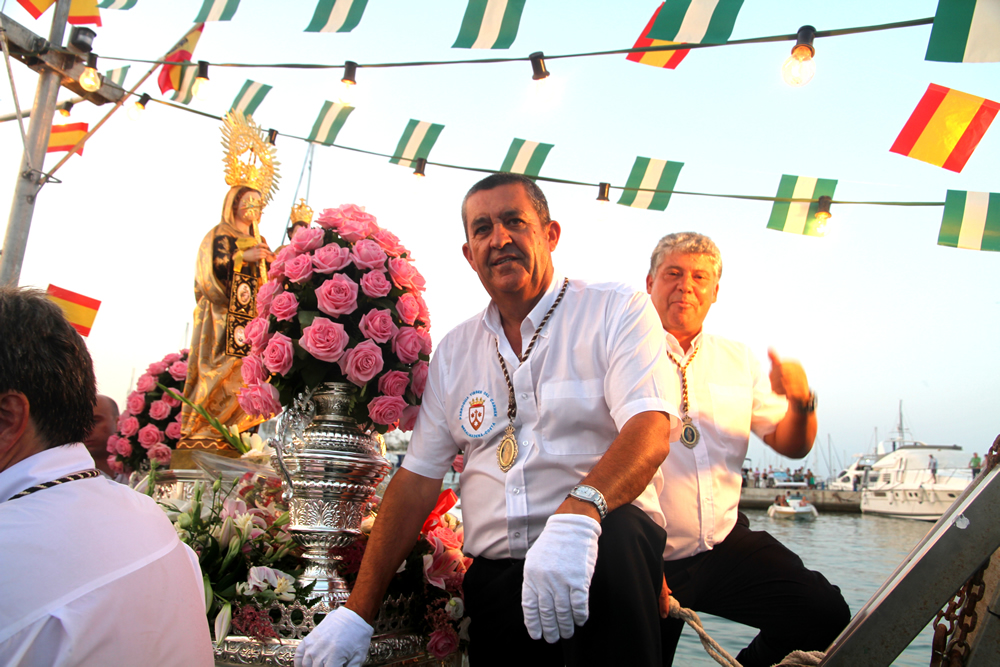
[[557, 573], [341, 639]]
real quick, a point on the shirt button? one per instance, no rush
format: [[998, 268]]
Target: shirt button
[[516, 490], [523, 395], [517, 534], [524, 443]]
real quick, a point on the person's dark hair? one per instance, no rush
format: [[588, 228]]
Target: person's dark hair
[[239, 195], [535, 194], [43, 357]]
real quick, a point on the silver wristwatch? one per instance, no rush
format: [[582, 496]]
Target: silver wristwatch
[[590, 495]]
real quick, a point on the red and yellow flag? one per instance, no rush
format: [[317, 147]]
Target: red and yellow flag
[[945, 127], [80, 310], [170, 75], [64, 137], [82, 12], [35, 7], [664, 59]]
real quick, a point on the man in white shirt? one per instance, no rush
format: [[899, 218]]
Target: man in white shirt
[[92, 572], [105, 421], [713, 562], [576, 374]]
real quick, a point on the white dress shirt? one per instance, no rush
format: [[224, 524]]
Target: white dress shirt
[[599, 361], [93, 573], [729, 396]]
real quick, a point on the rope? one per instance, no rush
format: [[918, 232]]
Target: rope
[[793, 659]]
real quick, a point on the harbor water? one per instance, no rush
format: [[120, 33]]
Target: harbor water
[[856, 552]]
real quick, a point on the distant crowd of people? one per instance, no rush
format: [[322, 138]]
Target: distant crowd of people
[[764, 479]]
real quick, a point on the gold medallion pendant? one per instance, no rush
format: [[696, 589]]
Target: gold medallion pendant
[[689, 434], [507, 449]]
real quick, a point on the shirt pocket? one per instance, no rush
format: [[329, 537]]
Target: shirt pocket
[[731, 411], [574, 418]]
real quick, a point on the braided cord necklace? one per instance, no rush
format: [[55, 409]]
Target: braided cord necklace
[[507, 449], [689, 432], [84, 474]]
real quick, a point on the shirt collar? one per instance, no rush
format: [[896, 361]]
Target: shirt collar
[[491, 316], [44, 466], [676, 348]]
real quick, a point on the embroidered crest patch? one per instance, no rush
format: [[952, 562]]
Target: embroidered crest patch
[[478, 414]]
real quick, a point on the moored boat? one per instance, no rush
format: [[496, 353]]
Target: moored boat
[[795, 508]]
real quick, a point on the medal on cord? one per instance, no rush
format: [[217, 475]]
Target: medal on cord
[[689, 432], [507, 449]]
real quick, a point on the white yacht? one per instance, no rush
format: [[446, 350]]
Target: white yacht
[[857, 475]]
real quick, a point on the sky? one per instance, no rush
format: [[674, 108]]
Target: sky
[[875, 311]]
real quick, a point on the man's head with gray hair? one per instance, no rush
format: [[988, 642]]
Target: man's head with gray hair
[[688, 243]]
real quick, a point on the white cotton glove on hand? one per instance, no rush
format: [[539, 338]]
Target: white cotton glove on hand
[[557, 573], [341, 639]]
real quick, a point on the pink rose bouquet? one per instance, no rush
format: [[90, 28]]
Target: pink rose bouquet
[[149, 428], [345, 307]]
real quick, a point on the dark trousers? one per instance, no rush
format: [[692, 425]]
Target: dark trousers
[[753, 579], [624, 624]]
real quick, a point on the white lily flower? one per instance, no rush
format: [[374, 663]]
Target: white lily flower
[[222, 623]]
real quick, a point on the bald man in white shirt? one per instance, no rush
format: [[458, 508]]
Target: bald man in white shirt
[[561, 398]]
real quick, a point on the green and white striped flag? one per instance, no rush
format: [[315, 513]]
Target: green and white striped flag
[[185, 91], [251, 95], [337, 15], [799, 217], [971, 220], [328, 123], [117, 75], [489, 24], [650, 174], [417, 141], [696, 21], [965, 31], [525, 157], [217, 10], [118, 4]]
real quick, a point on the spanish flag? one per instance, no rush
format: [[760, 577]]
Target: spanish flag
[[64, 137], [945, 127], [80, 310], [170, 75], [82, 12], [35, 7], [664, 59]]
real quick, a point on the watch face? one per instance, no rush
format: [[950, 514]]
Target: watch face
[[585, 493]]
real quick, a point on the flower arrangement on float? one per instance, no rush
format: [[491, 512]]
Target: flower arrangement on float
[[150, 426], [432, 573], [343, 303]]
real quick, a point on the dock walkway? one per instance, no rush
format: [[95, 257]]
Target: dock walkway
[[825, 501]]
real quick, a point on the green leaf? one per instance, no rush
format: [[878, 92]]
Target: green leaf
[[306, 317]]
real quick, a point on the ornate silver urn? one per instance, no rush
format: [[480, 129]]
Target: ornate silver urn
[[330, 469]]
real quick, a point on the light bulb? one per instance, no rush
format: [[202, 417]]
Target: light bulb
[[201, 88], [90, 80], [800, 67], [347, 94], [135, 111]]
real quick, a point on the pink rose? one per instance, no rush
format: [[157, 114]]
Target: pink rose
[[375, 285], [264, 296], [338, 295], [393, 383], [408, 308], [256, 332], [331, 258], [112, 443], [159, 410], [306, 240], [355, 224], [279, 354], [136, 402], [259, 400], [386, 409], [425, 314], [324, 339], [146, 382], [149, 435], [368, 255], [157, 367], [285, 306], [425, 340], [405, 275], [123, 448], [285, 255], [443, 642], [406, 345], [276, 272], [389, 242], [378, 325], [171, 358], [362, 363], [160, 453], [116, 467], [330, 218], [447, 536], [419, 373], [169, 399], [300, 269], [173, 431], [129, 427], [409, 417], [179, 370], [252, 370], [179, 417]]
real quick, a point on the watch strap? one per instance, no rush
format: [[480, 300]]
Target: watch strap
[[591, 495]]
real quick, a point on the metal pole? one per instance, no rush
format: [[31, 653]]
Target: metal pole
[[23, 204]]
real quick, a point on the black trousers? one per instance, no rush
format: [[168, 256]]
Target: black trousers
[[624, 624], [753, 579]]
